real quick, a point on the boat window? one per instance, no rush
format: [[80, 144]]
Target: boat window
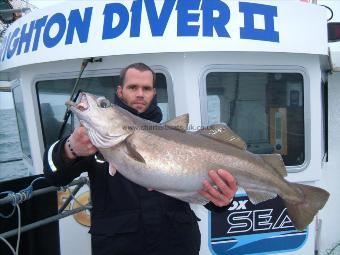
[[21, 120], [265, 109], [52, 95], [11, 156]]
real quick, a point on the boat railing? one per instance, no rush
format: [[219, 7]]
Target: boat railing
[[16, 198]]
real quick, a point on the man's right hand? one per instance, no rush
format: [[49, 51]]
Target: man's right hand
[[80, 143]]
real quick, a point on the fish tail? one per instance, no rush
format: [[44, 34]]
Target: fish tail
[[303, 213]]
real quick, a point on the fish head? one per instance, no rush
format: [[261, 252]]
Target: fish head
[[105, 123]]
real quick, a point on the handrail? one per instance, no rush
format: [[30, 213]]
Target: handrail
[[13, 199], [9, 199]]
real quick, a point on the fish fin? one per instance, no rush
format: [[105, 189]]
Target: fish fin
[[303, 213], [276, 162], [133, 153], [112, 169], [257, 197], [181, 122], [223, 133]]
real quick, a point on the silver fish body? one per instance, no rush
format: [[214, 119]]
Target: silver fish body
[[167, 158]]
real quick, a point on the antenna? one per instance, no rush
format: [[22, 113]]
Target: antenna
[[10, 11]]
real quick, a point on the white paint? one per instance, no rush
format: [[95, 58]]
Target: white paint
[[330, 229], [296, 35], [186, 71]]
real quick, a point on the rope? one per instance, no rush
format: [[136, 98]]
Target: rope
[[21, 196], [16, 199], [19, 229], [13, 211], [16, 251]]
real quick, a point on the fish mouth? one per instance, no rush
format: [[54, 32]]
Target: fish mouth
[[81, 106]]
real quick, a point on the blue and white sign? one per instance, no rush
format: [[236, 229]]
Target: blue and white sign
[[248, 229], [81, 29]]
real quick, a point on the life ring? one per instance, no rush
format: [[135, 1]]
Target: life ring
[[82, 217], [62, 196]]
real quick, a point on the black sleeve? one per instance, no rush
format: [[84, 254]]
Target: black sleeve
[[57, 170], [214, 208]]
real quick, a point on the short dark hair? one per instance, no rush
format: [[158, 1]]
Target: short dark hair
[[140, 67]]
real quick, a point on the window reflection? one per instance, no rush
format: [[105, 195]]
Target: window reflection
[[265, 109], [52, 95]]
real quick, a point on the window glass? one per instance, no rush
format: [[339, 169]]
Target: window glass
[[52, 95], [11, 163], [21, 120], [265, 109]]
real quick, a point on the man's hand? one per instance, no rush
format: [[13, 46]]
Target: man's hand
[[224, 190], [80, 144]]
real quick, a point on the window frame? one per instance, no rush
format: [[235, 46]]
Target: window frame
[[264, 69], [16, 84], [98, 73]]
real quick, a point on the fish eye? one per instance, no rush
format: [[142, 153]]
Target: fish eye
[[103, 102]]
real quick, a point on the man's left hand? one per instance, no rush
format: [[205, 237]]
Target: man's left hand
[[222, 191]]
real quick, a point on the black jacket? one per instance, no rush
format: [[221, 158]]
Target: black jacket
[[127, 218]]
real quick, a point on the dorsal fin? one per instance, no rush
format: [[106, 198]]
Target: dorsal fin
[[181, 122], [223, 133], [276, 162]]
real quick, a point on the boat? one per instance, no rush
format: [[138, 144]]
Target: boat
[[268, 69]]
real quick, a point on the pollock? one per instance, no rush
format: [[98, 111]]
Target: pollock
[[169, 159]]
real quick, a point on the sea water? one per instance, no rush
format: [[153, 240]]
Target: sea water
[[10, 148]]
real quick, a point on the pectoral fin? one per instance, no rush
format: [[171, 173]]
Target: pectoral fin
[[133, 153], [112, 169]]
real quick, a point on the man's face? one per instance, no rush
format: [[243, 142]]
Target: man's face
[[137, 90]]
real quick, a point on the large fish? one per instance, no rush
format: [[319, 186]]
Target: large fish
[[167, 158]]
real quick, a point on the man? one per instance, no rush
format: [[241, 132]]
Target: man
[[127, 218]]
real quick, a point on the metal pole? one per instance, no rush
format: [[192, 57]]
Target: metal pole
[[13, 11], [44, 221], [9, 199], [10, 160], [69, 199]]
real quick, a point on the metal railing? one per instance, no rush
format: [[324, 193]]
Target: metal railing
[[19, 197]]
